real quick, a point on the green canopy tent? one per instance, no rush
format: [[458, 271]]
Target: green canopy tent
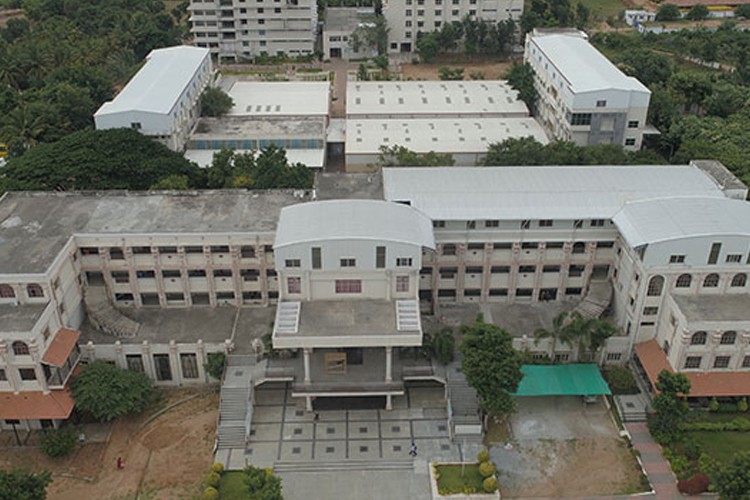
[[562, 380]]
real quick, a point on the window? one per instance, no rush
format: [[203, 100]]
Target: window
[[249, 274], [711, 281], [403, 262], [580, 119], [498, 292], [525, 224], [89, 251], [526, 269], [614, 356], [713, 256], [698, 338], [316, 258], [189, 365], [471, 224], [167, 250], [633, 124], [175, 297], [502, 246], [739, 279], [34, 291], [722, 361], [170, 273], [402, 283], [676, 259], [348, 262], [655, 286], [448, 273], [135, 125], [728, 338], [578, 223], [545, 223], [630, 142], [554, 245], [121, 276], [196, 273], [141, 250], [247, 252], [292, 263], [348, 286], [650, 311], [145, 274], [449, 249], [20, 348], [161, 364], [597, 222], [3, 376], [27, 373], [6, 292], [734, 258], [573, 291], [475, 246], [746, 362], [684, 281], [575, 271], [193, 249], [474, 270], [562, 357], [222, 273], [500, 269], [601, 104], [579, 247], [116, 254], [134, 362], [491, 223], [524, 292], [380, 257], [693, 362], [551, 269], [219, 249], [438, 224], [294, 284]]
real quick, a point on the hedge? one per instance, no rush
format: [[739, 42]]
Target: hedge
[[737, 425]]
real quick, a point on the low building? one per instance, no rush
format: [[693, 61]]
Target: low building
[[162, 100], [635, 18], [340, 23], [583, 97]]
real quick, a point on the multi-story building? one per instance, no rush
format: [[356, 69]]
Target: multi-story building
[[583, 97], [406, 18], [162, 100], [339, 26], [240, 29]]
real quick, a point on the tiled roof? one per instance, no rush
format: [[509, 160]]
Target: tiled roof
[[652, 359], [35, 405], [60, 347]]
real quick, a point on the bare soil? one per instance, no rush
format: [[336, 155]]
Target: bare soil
[[165, 458], [492, 68], [8, 14]]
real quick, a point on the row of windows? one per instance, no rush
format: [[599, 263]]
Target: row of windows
[[578, 247], [732, 258], [32, 291], [574, 270], [544, 293], [246, 274], [524, 224], [727, 338], [26, 374], [719, 362], [117, 253], [162, 366], [294, 285], [199, 298], [352, 262], [656, 284]]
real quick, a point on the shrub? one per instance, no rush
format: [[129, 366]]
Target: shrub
[[215, 364], [218, 468], [490, 484], [692, 449], [486, 469], [210, 493], [738, 424], [695, 485], [58, 442], [620, 380], [742, 405], [483, 456], [680, 466], [443, 345], [213, 479], [713, 405]]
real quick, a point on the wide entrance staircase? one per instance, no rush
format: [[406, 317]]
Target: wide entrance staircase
[[235, 407], [464, 417], [344, 465], [105, 317], [596, 300]]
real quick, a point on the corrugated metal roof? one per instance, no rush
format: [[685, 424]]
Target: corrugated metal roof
[[353, 219], [665, 219], [535, 192], [160, 82], [280, 98]]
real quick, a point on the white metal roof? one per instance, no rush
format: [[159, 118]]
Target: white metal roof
[[353, 219], [280, 98], [651, 221], [518, 193], [433, 98], [160, 82], [444, 135], [584, 67]]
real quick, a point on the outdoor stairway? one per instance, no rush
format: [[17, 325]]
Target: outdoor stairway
[[235, 404], [465, 417], [596, 300], [343, 465], [104, 317]]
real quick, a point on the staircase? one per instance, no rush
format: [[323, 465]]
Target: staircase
[[236, 403], [596, 300], [464, 415], [348, 465], [104, 317]]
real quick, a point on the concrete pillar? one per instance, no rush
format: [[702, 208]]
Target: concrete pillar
[[308, 403], [388, 364], [148, 362], [37, 358], [121, 361], [388, 402], [10, 373], [200, 357], [174, 363], [306, 358]]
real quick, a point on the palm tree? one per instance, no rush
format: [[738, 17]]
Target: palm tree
[[590, 334], [560, 330]]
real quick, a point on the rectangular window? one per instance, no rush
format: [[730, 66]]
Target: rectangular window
[[121, 276], [471, 224], [380, 257], [348, 262], [27, 373], [524, 292], [175, 297], [224, 295], [713, 256], [630, 141], [746, 362], [498, 292], [219, 249], [449, 249], [545, 223], [601, 104], [676, 259], [633, 124], [573, 291], [475, 246], [162, 367], [597, 222], [294, 284], [316, 258], [575, 271], [562, 357], [402, 283], [578, 223], [292, 263], [403, 262], [193, 249], [189, 364], [551, 269], [247, 252], [196, 273], [491, 223], [650, 311], [448, 273], [116, 254], [693, 362], [734, 258], [222, 273], [134, 362], [438, 224], [249, 274], [500, 269], [348, 286], [173, 273], [89, 251], [141, 250], [526, 269], [502, 246], [525, 224], [167, 250], [614, 356], [3, 376], [145, 274], [580, 119], [722, 361]]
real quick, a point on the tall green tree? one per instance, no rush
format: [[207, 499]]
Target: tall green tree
[[107, 392], [491, 366], [23, 485], [560, 331], [215, 102], [399, 156], [262, 484], [733, 479], [698, 12], [521, 78], [667, 12], [269, 170], [670, 406]]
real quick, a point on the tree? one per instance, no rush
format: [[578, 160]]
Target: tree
[[399, 156], [698, 12], [262, 484], [667, 12], [446, 73], [560, 331], [742, 10], [58, 442], [582, 15], [371, 34], [670, 406], [491, 366], [215, 102], [172, 183], [23, 485], [646, 66], [521, 78], [443, 346], [428, 45], [215, 364], [108, 392], [733, 479]]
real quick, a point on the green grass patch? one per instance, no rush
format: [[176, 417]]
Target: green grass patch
[[450, 479], [497, 432], [232, 486], [602, 9], [721, 445]]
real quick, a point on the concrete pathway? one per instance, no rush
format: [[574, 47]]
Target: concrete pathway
[[657, 468]]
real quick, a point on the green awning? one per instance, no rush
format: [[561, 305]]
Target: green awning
[[562, 380]]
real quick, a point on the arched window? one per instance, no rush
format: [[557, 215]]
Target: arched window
[[728, 338], [684, 281], [6, 292], [655, 286], [579, 247], [711, 281], [698, 338], [738, 280], [34, 290], [20, 348]]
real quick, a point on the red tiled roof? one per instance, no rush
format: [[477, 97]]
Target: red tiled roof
[[653, 360], [35, 405], [60, 347]]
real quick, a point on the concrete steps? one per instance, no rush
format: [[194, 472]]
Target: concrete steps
[[348, 465], [235, 403], [105, 317]]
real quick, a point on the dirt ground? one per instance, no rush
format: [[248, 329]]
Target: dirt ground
[[492, 69], [166, 459], [8, 14]]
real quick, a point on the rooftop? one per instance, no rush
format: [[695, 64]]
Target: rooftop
[[723, 176], [20, 318], [34, 226], [347, 18], [35, 405], [160, 82], [727, 307], [449, 135], [353, 219], [581, 65], [240, 127], [434, 98], [335, 186], [280, 98], [534, 192], [61, 346]]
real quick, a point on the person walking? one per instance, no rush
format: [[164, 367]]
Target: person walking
[[413, 450]]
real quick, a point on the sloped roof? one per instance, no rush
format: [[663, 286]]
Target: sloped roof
[[35, 405], [60, 347], [353, 219]]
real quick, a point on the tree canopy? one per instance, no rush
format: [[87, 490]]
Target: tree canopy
[[733, 478], [670, 406], [269, 170], [262, 484], [399, 156], [108, 392], [24, 485], [471, 36], [667, 12], [587, 335], [491, 366], [521, 78], [215, 102]]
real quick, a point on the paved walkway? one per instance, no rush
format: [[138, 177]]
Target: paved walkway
[[657, 468]]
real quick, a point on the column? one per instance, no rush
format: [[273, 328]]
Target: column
[[41, 377], [306, 357], [388, 402], [388, 363], [120, 356], [10, 373], [308, 403]]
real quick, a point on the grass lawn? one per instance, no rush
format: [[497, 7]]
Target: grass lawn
[[452, 480], [602, 9], [721, 445], [232, 486]]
